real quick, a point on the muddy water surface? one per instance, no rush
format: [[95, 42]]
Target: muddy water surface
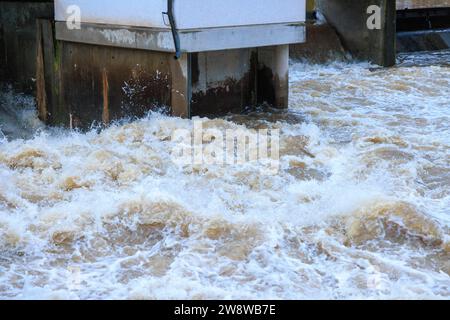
[[359, 208]]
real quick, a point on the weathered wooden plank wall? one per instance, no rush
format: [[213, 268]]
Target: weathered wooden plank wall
[[18, 40]]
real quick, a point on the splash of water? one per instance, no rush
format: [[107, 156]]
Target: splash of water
[[18, 116], [358, 210]]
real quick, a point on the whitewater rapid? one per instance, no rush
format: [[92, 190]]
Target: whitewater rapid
[[359, 208]]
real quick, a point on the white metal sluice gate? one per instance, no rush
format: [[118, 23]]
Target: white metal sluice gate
[[181, 25]]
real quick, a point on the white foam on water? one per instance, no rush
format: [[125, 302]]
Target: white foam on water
[[359, 208]]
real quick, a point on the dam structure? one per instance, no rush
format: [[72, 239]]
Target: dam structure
[[192, 58], [98, 61], [374, 30], [423, 25]]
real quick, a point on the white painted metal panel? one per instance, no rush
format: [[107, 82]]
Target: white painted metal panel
[[219, 13], [139, 13], [190, 14]]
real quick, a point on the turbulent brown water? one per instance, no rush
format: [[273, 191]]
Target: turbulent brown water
[[359, 209]]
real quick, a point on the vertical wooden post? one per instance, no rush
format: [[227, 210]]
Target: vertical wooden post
[[105, 87], [41, 94], [46, 91], [181, 91]]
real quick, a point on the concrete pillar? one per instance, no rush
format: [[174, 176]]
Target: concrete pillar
[[217, 82], [223, 81], [281, 81], [273, 76], [349, 18], [276, 60]]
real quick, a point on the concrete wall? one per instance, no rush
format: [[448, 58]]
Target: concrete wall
[[322, 45], [423, 41], [421, 4], [349, 18], [423, 25], [209, 39]]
